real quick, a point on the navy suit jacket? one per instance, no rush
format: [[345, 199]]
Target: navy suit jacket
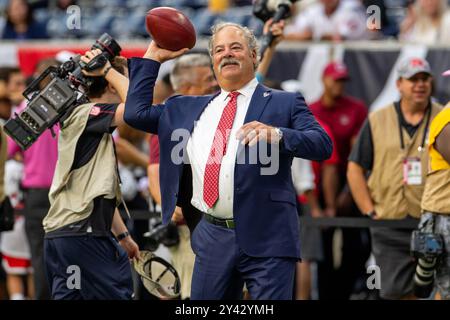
[[264, 206]]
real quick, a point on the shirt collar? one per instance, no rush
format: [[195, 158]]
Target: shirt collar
[[246, 90]]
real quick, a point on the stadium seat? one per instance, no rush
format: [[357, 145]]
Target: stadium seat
[[143, 3], [203, 20], [56, 25], [109, 3], [3, 4], [41, 15], [99, 23], [256, 25], [195, 4], [239, 15]]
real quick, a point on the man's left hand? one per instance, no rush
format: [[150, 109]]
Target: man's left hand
[[252, 132], [130, 247]]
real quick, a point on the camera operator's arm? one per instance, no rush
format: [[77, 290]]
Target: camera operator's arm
[[115, 78], [127, 153], [277, 30], [119, 229], [119, 82]]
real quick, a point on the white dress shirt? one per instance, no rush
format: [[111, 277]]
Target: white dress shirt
[[302, 175], [199, 147]]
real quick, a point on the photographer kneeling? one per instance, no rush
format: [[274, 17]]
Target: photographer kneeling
[[82, 258]]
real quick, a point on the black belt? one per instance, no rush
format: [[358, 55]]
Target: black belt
[[226, 223]]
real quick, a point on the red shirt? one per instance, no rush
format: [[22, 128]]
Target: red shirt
[[154, 149], [344, 120], [333, 160]]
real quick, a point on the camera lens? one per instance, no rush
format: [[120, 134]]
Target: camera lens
[[107, 44], [423, 279]]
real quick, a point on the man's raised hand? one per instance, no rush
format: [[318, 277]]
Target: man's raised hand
[[161, 55]]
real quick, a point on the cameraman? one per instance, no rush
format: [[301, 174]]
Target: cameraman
[[436, 197], [84, 197]]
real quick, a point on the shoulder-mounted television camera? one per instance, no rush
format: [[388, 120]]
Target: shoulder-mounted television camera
[[56, 92]]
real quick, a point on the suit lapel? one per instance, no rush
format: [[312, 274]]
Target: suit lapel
[[260, 98], [196, 112]]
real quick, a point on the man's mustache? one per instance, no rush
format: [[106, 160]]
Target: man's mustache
[[228, 61]]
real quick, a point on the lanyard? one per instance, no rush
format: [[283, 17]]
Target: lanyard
[[427, 123]]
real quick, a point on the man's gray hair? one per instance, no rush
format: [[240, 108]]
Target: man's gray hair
[[182, 74], [248, 35]]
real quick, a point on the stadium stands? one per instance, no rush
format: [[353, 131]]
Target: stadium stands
[[125, 18]]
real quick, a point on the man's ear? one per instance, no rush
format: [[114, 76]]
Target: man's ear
[[255, 55], [186, 89]]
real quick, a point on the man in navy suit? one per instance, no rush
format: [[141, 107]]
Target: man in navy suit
[[249, 230]]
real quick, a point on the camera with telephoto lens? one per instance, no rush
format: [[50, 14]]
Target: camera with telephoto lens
[[161, 234], [266, 9], [56, 92], [427, 247]]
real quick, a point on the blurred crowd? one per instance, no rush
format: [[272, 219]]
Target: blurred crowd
[[418, 21]]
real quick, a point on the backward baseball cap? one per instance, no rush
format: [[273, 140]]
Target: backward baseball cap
[[158, 276], [412, 66]]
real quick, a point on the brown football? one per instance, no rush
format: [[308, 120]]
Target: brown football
[[170, 28]]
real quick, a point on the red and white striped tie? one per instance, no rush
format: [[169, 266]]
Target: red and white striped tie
[[218, 150]]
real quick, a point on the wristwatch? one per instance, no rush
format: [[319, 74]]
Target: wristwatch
[[123, 235], [279, 134], [107, 70]]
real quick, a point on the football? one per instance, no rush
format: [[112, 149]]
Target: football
[[170, 28]]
